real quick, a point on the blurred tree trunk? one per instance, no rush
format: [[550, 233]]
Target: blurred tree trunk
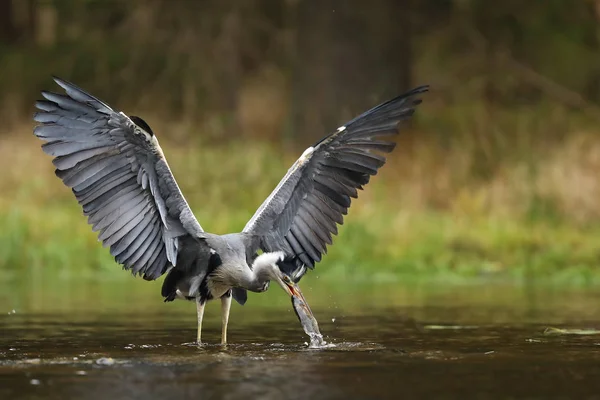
[[393, 28], [229, 55], [46, 21], [593, 89], [348, 58], [17, 20], [8, 30]]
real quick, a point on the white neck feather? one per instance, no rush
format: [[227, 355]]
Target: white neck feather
[[266, 260], [264, 268]]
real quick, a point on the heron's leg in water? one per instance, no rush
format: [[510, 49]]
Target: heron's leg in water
[[200, 308], [225, 307]]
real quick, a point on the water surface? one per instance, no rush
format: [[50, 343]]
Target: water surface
[[388, 341]]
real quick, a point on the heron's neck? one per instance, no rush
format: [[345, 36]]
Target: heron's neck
[[262, 270]]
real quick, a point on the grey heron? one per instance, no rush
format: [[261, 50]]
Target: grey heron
[[120, 177]]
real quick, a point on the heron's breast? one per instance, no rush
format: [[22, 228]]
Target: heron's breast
[[217, 287]]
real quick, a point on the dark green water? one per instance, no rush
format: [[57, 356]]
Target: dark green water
[[116, 340]]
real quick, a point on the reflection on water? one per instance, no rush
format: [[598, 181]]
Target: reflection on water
[[398, 343]]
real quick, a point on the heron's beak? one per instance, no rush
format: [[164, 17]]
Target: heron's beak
[[293, 290]]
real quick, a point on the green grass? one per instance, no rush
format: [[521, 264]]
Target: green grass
[[383, 238], [371, 247]]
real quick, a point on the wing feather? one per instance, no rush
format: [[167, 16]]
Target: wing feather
[[151, 240], [149, 231], [324, 225], [147, 252], [119, 176], [341, 188], [84, 176], [111, 181], [330, 217], [129, 239], [302, 213], [309, 233], [323, 237], [104, 206], [133, 208]]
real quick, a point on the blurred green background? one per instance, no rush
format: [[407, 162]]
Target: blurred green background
[[495, 180]]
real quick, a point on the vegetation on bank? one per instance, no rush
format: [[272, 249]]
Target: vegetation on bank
[[393, 231]]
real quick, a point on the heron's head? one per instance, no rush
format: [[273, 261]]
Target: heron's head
[[278, 267]]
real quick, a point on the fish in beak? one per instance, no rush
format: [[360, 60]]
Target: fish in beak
[[303, 311]]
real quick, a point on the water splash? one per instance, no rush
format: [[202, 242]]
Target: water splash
[[316, 340]]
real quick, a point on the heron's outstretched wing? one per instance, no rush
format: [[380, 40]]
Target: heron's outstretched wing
[[300, 215], [120, 177]]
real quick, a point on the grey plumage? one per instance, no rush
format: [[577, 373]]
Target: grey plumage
[[120, 177]]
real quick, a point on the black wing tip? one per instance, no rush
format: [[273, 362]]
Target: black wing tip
[[70, 89], [398, 99], [48, 93], [58, 79], [419, 89], [60, 82], [411, 93], [63, 83], [69, 86], [401, 97]]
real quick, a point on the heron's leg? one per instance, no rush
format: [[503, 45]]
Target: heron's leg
[[200, 308], [225, 307]]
